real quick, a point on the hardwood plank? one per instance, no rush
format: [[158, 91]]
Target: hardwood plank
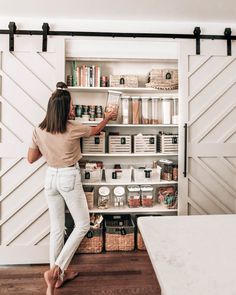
[[110, 273]]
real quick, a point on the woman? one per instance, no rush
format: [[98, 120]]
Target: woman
[[58, 139]]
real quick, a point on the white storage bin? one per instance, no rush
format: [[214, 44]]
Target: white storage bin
[[94, 144], [91, 175], [120, 144], [167, 143], [146, 175], [122, 175], [144, 144]]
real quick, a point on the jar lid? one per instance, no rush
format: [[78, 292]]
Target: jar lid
[[146, 188], [134, 188], [165, 161], [104, 191], [119, 191]]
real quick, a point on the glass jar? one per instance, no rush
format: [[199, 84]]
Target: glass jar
[[134, 196], [103, 197], [166, 169], [175, 172], [147, 195], [119, 196], [167, 173]]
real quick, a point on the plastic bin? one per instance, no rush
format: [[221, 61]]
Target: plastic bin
[[146, 175]]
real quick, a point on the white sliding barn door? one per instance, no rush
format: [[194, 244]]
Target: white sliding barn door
[[27, 78], [208, 106]]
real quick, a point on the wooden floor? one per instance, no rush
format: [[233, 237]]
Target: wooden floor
[[108, 273]]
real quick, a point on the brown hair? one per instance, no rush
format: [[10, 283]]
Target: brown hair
[[57, 110]]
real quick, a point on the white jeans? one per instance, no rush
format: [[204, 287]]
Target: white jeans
[[63, 185]]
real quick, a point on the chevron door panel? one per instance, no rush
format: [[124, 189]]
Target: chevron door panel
[[27, 78], [209, 104]]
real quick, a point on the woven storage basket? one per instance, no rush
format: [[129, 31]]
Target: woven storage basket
[[126, 81], [163, 79], [119, 233], [92, 242], [140, 242], [89, 193]]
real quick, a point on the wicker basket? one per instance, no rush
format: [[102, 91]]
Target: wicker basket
[[89, 193], [92, 242], [119, 233], [163, 79], [140, 242], [126, 81]]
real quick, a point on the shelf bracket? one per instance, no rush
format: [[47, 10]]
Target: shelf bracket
[[12, 31], [228, 37], [46, 29], [197, 32]]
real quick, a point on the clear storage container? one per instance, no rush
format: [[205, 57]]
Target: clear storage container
[[145, 110], [119, 196], [135, 110], [147, 195], [156, 110], [166, 111], [103, 197], [175, 112], [125, 109], [133, 197], [113, 102]]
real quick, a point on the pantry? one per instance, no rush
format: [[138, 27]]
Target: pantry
[[131, 168]]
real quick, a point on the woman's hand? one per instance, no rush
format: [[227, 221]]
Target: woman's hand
[[112, 115]]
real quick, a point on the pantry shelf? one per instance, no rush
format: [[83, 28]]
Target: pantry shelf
[[156, 208], [90, 123], [162, 182], [132, 155], [161, 93]]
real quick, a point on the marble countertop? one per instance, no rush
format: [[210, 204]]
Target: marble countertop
[[192, 255]]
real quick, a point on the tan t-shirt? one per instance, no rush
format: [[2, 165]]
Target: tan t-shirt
[[61, 149]]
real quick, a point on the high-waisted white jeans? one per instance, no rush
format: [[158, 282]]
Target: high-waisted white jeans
[[63, 185]]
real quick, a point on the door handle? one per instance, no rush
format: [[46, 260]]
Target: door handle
[[185, 148]]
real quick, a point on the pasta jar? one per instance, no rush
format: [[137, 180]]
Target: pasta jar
[[134, 196], [103, 197], [147, 195], [119, 196]]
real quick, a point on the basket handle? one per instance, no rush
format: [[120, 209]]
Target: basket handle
[[121, 230], [89, 234]]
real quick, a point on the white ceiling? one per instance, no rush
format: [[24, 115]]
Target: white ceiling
[[134, 10]]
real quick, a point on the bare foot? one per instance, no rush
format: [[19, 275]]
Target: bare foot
[[50, 281], [68, 276]]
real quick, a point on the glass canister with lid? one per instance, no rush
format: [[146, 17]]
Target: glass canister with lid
[[167, 169], [147, 195], [134, 196], [103, 197], [119, 196]]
